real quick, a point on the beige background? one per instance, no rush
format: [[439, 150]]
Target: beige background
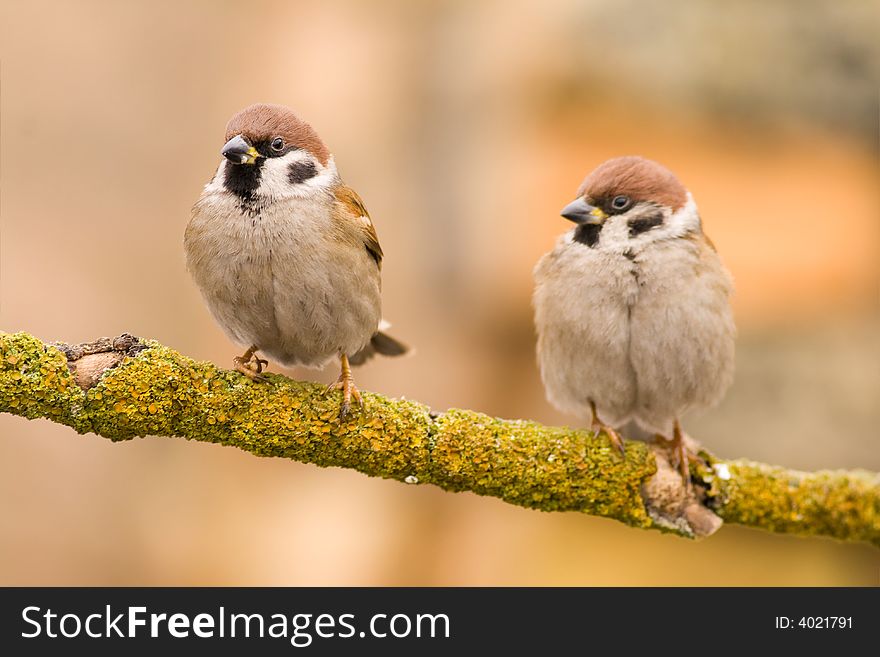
[[465, 126]]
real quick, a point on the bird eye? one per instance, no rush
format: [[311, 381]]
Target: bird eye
[[620, 202], [277, 144]]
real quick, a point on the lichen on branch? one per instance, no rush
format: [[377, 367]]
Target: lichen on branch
[[125, 387]]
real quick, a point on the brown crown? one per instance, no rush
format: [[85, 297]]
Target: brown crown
[[263, 122], [636, 177]]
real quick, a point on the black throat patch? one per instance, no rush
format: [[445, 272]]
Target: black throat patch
[[243, 179], [644, 224], [587, 234]]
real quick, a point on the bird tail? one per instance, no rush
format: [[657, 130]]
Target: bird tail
[[380, 343]]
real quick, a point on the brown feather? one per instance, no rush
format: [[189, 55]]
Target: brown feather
[[709, 242], [264, 122], [636, 177], [354, 210]]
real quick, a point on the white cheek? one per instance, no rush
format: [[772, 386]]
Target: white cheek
[[216, 183], [274, 177], [615, 233], [275, 180], [273, 174], [685, 220]]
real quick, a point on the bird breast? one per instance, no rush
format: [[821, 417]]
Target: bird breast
[[280, 276], [646, 334]]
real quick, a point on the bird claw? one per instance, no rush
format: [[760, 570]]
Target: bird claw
[[680, 456], [250, 372], [349, 392], [615, 438], [251, 365], [598, 427]]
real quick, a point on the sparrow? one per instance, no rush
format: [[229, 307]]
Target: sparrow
[[285, 254], [632, 307]]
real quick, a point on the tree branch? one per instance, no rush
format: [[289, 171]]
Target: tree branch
[[125, 387]]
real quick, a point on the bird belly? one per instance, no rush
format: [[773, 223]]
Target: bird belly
[[327, 302], [681, 333], [582, 319]]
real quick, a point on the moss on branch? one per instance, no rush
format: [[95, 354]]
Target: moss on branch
[[842, 504], [125, 388]]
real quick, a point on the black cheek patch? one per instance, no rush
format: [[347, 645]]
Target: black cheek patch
[[587, 234], [644, 224], [300, 172]]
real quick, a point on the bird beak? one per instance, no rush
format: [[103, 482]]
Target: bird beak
[[238, 151], [581, 212]]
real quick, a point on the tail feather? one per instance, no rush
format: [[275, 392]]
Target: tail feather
[[380, 343], [387, 346]]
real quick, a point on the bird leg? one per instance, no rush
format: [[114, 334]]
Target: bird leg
[[681, 452], [250, 364], [598, 426], [345, 383], [679, 455]]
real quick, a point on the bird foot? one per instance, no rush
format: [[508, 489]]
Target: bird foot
[[251, 365], [616, 439], [598, 426], [349, 392], [680, 456]]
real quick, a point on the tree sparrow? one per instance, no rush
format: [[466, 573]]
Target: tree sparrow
[[284, 252], [631, 306]]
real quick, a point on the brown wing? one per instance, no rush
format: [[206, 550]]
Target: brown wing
[[354, 206]]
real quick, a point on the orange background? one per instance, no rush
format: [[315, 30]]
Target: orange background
[[465, 127]]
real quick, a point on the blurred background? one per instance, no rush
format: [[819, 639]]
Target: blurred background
[[465, 126]]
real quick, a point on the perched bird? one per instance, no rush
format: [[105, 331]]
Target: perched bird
[[284, 252], [632, 306]]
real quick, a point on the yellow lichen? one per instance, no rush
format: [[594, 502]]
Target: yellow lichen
[[842, 504]]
